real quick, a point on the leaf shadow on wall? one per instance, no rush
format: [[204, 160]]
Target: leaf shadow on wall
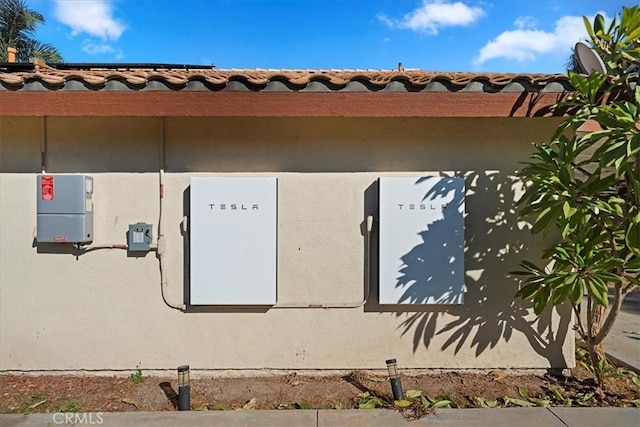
[[495, 242], [431, 270]]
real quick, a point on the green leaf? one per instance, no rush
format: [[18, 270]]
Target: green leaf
[[631, 150], [633, 265], [402, 403], [560, 253], [518, 402], [129, 402], [561, 294], [425, 402], [558, 396], [585, 399], [483, 403], [479, 402], [369, 404], [523, 393], [531, 267], [543, 403], [543, 220], [528, 291], [366, 401], [412, 394], [568, 210], [588, 27], [541, 300], [598, 290], [608, 277], [442, 404], [35, 405], [632, 239], [577, 292], [568, 229], [598, 24]]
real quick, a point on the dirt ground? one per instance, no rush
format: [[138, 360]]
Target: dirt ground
[[358, 389]]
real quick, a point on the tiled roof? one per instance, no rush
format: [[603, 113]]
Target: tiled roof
[[130, 78]]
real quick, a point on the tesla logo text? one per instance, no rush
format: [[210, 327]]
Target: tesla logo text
[[234, 206], [419, 206]]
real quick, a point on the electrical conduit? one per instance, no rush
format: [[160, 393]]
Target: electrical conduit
[[162, 246], [369, 225]]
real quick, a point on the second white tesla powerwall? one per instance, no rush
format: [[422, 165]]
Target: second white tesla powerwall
[[421, 240]]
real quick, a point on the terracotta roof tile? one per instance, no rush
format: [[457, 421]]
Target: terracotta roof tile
[[95, 78]]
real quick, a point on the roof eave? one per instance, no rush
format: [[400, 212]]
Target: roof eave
[[278, 104]]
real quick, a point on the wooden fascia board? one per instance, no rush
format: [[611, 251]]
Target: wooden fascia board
[[276, 104]]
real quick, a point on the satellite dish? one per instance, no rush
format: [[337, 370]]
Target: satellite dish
[[589, 59]]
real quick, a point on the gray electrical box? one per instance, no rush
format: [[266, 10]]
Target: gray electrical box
[[65, 209], [140, 237]]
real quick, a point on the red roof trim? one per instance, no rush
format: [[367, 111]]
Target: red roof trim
[[276, 104]]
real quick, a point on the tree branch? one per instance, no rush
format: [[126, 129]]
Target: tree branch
[[611, 316], [579, 321]]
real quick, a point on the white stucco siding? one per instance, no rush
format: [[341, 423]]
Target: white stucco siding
[[103, 310]]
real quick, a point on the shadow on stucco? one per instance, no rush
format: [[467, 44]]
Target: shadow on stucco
[[530, 103], [431, 271], [495, 241]]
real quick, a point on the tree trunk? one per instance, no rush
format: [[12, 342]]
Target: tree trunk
[[596, 347], [598, 350]]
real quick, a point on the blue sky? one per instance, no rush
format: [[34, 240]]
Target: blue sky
[[520, 36]]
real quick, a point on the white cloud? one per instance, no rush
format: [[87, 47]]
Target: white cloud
[[433, 15], [526, 22], [93, 17], [526, 42], [96, 49]]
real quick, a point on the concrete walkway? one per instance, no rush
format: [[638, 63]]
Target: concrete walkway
[[623, 342], [505, 417]]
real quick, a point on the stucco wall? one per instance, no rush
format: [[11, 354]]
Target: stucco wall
[[103, 309]]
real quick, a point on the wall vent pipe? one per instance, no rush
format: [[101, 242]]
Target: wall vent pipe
[[161, 243], [11, 54], [43, 145]]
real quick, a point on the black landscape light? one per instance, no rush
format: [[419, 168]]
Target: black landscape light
[[184, 388], [394, 379]]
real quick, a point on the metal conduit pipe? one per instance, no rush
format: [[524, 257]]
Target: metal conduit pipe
[[162, 246], [43, 145], [103, 246]]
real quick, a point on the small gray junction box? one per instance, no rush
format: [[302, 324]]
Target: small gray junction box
[[65, 209], [140, 237]]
